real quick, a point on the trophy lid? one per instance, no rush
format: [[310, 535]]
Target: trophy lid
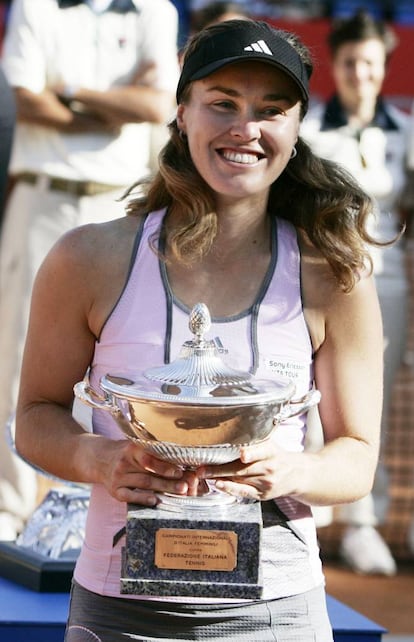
[[198, 376]]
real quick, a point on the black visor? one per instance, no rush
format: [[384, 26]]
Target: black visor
[[244, 40]]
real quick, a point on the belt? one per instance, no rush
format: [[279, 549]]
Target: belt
[[77, 188]]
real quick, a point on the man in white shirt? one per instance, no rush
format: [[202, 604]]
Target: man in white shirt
[[91, 80]]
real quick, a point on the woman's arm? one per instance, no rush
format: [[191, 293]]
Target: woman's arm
[[348, 373], [74, 292]]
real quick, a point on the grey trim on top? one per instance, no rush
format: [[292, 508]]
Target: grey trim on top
[[137, 241], [253, 310]]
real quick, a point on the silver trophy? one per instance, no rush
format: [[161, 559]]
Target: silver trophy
[[195, 411]]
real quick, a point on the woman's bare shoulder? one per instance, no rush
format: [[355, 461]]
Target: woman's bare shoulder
[[88, 266], [91, 255], [97, 244]]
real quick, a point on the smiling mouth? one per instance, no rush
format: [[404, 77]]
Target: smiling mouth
[[243, 158]]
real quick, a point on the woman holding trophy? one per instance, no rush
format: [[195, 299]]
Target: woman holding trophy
[[243, 217]]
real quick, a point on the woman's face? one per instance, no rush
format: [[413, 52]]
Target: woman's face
[[359, 69], [241, 123]]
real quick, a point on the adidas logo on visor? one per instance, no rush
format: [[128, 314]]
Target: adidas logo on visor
[[259, 46]]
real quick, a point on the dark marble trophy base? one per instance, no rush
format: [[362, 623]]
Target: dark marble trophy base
[[193, 553]]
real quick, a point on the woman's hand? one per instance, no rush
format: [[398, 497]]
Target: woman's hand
[[132, 475], [264, 471]]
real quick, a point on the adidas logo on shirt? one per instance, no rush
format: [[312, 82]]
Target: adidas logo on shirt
[[259, 46]]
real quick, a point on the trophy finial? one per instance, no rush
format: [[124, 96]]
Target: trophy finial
[[199, 321], [198, 366]]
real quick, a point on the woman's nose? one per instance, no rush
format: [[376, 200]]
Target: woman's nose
[[246, 127]]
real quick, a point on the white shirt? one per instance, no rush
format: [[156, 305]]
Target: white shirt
[[47, 46]]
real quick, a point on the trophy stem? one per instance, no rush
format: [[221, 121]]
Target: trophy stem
[[212, 498]]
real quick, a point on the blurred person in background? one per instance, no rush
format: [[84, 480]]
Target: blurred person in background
[[214, 12], [90, 79], [358, 128]]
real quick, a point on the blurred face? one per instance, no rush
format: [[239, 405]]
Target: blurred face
[[359, 70], [241, 123], [229, 15]]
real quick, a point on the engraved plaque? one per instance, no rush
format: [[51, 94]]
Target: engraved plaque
[[212, 550]]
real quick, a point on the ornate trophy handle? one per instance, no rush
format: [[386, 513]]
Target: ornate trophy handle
[[90, 397], [294, 408], [85, 393]]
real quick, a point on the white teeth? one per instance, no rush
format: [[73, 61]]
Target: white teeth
[[237, 157]]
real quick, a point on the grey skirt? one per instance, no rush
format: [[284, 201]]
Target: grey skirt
[[95, 618]]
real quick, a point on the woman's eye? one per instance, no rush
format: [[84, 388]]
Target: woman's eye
[[261, 112], [272, 111], [224, 104]]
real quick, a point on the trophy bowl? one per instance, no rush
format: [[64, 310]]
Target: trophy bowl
[[196, 410]]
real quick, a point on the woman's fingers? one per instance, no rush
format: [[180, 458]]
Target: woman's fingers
[[153, 464], [252, 461], [237, 489], [142, 488], [253, 476], [137, 476]]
